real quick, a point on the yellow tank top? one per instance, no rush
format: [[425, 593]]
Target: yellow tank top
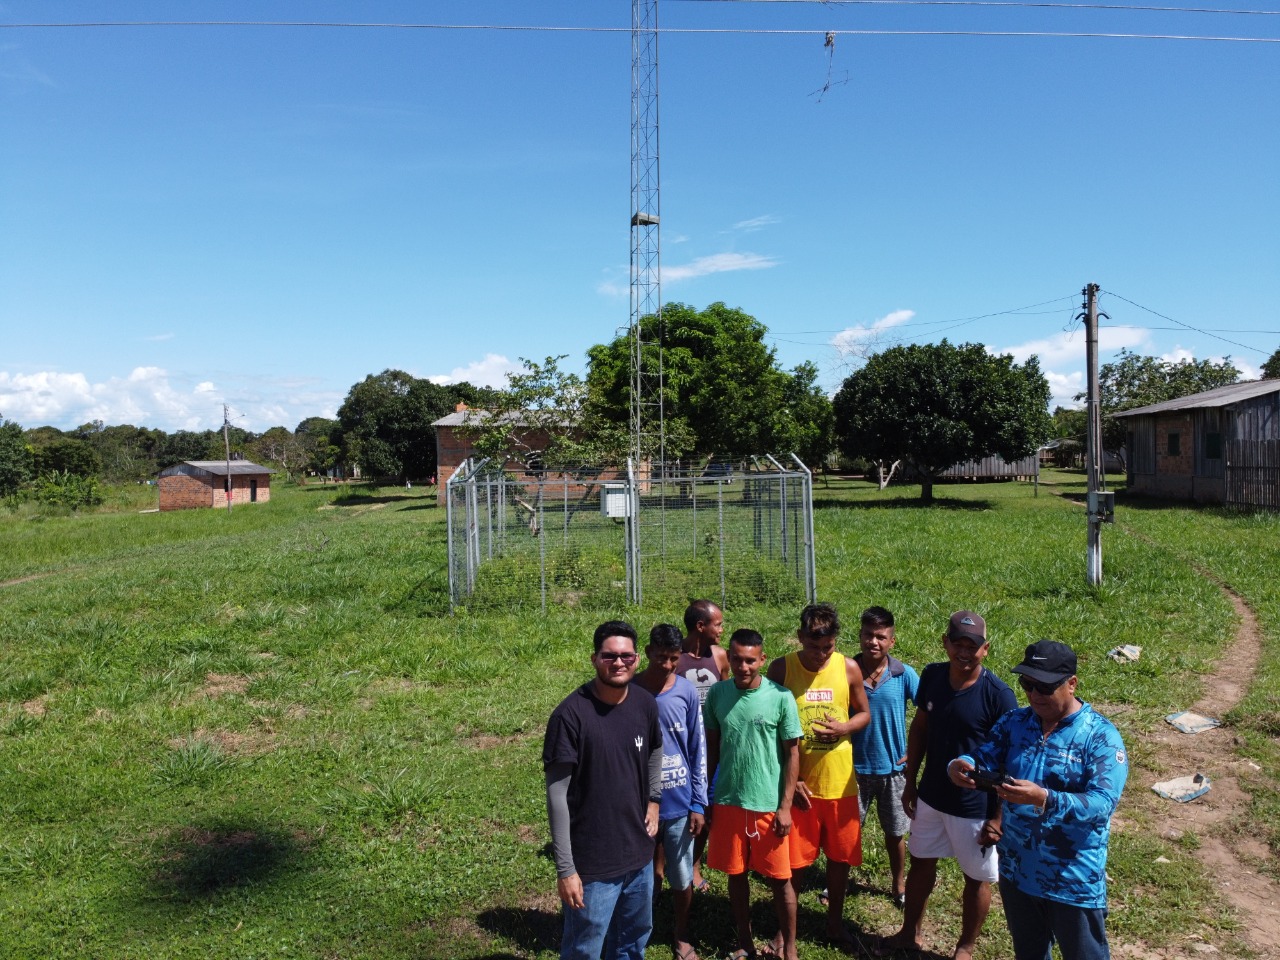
[[826, 768]]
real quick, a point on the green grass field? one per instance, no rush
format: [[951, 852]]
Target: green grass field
[[263, 734]]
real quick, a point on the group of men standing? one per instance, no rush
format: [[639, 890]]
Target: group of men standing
[[768, 764]]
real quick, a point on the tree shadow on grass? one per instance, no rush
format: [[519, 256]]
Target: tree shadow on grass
[[196, 863], [915, 503]]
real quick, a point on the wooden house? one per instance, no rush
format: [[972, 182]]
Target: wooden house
[[203, 483], [1219, 446]]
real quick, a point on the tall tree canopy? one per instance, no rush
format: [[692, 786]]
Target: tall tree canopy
[[15, 457], [1138, 381], [386, 423], [1271, 369], [936, 405], [724, 394]]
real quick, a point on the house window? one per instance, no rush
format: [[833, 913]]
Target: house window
[[1213, 446], [1174, 449]]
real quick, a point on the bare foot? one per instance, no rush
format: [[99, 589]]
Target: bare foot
[[964, 951], [685, 951]]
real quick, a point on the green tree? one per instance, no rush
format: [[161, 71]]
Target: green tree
[[321, 442], [280, 447], [935, 405], [386, 423], [724, 394], [805, 422], [68, 455], [1271, 369], [1138, 381], [15, 457], [539, 420]]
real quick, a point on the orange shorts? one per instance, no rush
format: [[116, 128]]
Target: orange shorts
[[743, 840], [834, 826]]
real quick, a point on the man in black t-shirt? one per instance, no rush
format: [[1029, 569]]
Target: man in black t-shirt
[[957, 703], [602, 756]]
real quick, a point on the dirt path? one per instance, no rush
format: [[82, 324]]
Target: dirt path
[[1230, 861]]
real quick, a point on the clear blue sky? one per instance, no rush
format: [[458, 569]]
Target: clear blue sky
[[263, 215]]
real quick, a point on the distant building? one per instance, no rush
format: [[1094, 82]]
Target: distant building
[[1218, 446], [203, 483], [453, 446]]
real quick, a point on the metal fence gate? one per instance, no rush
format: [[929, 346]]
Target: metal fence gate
[[600, 538]]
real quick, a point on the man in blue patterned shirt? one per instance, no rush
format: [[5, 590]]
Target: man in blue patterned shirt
[[1064, 767]]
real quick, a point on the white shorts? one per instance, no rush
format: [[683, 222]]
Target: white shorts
[[936, 835]]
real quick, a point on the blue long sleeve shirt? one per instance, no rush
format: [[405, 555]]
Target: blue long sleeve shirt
[[684, 752], [1060, 854]]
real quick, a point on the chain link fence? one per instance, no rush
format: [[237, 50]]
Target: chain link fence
[[600, 538]]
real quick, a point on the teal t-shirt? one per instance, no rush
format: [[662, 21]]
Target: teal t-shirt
[[753, 725]]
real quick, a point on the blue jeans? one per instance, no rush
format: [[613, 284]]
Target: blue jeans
[[616, 918], [1035, 923]]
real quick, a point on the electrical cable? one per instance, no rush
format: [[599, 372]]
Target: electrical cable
[[1234, 343], [666, 31], [1008, 3]]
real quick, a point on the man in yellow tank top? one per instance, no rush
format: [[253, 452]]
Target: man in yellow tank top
[[832, 705]]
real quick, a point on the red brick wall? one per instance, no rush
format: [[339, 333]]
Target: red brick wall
[[180, 492]]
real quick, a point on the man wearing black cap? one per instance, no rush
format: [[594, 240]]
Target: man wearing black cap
[[958, 701], [1065, 766]]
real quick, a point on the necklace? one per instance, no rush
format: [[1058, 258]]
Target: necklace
[[874, 679]]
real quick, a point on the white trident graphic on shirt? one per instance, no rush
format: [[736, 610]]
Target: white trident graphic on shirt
[[639, 742]]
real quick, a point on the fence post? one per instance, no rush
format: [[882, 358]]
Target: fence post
[[720, 538], [811, 573], [542, 548], [448, 524]]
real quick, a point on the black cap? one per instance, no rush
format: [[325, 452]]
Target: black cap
[[1048, 661], [967, 624]]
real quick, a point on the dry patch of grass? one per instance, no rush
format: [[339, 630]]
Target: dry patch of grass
[[222, 684]]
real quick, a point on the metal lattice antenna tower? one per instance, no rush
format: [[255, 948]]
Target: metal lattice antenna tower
[[648, 435]]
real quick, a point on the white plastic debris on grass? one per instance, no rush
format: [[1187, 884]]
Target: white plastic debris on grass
[[1125, 654], [1183, 789], [1189, 722]]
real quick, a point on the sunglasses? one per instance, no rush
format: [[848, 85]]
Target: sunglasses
[[1044, 689], [626, 658]]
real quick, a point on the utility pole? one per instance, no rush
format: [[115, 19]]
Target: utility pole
[[1100, 502], [226, 443]]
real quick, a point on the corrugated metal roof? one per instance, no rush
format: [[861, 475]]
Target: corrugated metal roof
[[1217, 397], [462, 417], [219, 468]]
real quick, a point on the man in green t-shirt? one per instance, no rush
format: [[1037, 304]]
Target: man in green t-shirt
[[753, 735]]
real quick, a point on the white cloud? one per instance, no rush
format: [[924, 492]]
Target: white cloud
[[490, 372], [855, 339], [717, 263], [1063, 388], [756, 223], [145, 398], [1068, 347]]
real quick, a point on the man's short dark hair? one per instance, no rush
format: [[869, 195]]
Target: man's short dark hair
[[820, 620], [666, 638], [614, 628], [699, 611], [876, 617], [745, 637]]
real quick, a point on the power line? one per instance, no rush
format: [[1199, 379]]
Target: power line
[[1008, 3], [1234, 343], [670, 31]]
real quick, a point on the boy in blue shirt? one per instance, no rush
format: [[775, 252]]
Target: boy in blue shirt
[[684, 774], [880, 748]]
